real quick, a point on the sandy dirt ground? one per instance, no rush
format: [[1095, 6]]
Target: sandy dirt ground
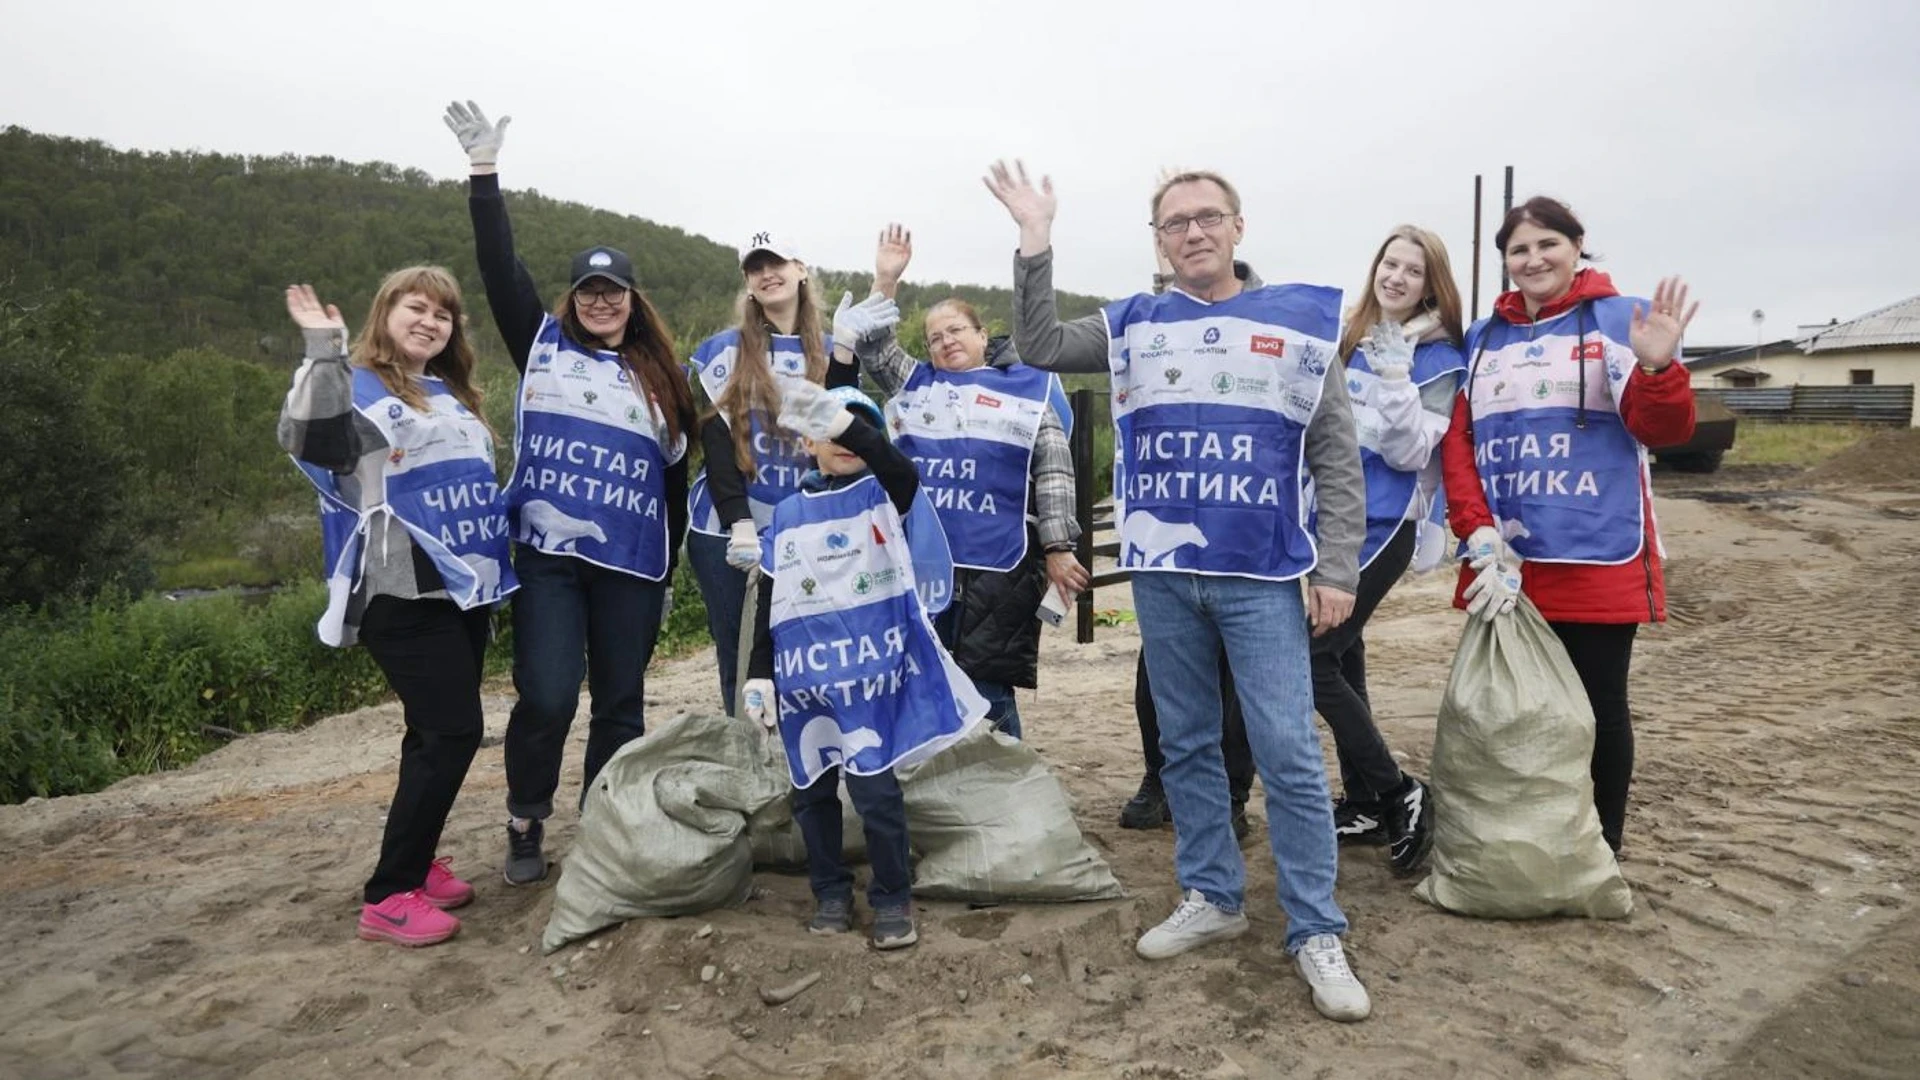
[[201, 923]]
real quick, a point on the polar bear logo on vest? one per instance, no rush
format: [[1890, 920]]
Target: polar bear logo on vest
[[1153, 541], [823, 745], [550, 528], [486, 575]]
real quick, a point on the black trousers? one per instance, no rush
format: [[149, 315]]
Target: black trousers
[[1233, 730], [431, 652], [1602, 653], [1367, 768]]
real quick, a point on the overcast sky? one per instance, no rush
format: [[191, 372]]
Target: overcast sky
[[1765, 150]]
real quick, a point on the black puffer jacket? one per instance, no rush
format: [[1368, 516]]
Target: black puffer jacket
[[998, 636]]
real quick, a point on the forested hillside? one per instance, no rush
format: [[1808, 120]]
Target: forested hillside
[[184, 249]]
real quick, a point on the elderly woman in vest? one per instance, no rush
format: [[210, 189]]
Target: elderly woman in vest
[[989, 436]]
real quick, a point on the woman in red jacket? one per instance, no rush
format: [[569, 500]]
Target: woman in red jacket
[[1545, 462]]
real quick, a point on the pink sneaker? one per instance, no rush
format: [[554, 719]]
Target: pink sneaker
[[407, 918], [443, 890]]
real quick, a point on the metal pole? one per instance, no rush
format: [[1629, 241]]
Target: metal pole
[[1506, 207], [1082, 444], [1475, 317]]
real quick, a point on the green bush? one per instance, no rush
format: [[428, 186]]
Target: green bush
[[121, 688]]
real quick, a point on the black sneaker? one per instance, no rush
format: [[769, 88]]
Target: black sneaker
[[893, 927], [1242, 828], [1148, 808], [832, 915], [1359, 822], [526, 863], [1409, 826]]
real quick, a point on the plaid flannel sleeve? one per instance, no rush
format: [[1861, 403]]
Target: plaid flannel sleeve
[[1053, 491]]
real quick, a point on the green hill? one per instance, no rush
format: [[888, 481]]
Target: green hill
[[183, 249]]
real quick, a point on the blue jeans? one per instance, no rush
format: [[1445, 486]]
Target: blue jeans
[[1186, 620], [1003, 712], [724, 590], [574, 620], [883, 811]]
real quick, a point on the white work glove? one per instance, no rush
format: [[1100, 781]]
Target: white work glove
[[1485, 546], [854, 323], [478, 136], [743, 545], [1494, 591], [757, 703], [1389, 351], [807, 408]]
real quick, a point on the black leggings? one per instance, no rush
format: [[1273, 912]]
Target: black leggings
[[1367, 769], [1601, 654], [432, 653]]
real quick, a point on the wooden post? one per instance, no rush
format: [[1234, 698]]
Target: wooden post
[[1083, 477]]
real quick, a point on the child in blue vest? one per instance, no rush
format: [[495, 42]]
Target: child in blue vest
[[845, 664]]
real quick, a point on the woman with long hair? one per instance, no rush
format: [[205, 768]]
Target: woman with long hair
[[751, 461], [1567, 384], [414, 528], [596, 503], [1401, 345]]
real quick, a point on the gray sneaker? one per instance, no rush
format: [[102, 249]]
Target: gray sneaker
[[893, 927], [832, 915], [1336, 992], [1193, 924], [526, 863]]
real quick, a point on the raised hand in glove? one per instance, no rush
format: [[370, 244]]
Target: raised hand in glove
[[1389, 351], [743, 545], [479, 137], [854, 323], [809, 409], [757, 703]]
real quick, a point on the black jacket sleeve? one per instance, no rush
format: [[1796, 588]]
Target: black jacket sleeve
[[839, 374], [511, 296], [676, 496], [893, 469], [760, 666], [726, 485]]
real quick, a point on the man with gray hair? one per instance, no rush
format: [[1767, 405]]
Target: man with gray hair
[[1234, 434]]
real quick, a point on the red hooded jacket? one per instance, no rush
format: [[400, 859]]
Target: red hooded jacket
[[1656, 409]]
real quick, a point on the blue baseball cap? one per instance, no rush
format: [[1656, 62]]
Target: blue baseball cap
[[853, 398]]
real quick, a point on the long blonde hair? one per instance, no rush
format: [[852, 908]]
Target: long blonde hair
[[1441, 299], [376, 351], [751, 388]]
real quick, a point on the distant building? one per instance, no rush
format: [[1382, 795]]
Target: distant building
[[1878, 349]]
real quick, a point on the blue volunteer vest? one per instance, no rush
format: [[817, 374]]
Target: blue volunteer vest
[[971, 436], [778, 458], [1211, 404], [861, 680], [589, 476], [1391, 492], [1561, 473], [438, 483]]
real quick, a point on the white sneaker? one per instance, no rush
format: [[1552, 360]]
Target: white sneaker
[[1193, 924], [1336, 993]]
